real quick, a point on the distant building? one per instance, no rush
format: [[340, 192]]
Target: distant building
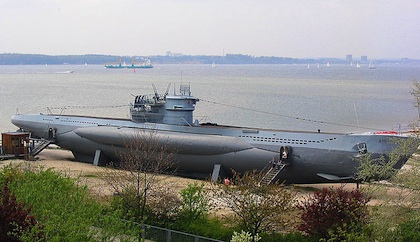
[[349, 58], [363, 59], [170, 54]]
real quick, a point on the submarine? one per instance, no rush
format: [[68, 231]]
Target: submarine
[[207, 149]]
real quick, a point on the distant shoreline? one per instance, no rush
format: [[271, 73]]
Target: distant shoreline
[[38, 59]]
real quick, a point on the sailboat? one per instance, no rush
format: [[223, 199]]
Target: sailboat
[[213, 64], [372, 65]]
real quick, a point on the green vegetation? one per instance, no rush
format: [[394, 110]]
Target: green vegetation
[[15, 219], [195, 202], [415, 92], [396, 217], [256, 208], [63, 209], [408, 230]]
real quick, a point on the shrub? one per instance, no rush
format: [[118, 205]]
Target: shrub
[[162, 206], [244, 237], [64, 208], [256, 208], [408, 230], [332, 212], [15, 219], [195, 202], [282, 237]]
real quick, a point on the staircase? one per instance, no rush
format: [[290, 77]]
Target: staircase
[[40, 145], [271, 176]]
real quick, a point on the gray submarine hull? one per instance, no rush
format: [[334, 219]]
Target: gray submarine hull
[[314, 157]]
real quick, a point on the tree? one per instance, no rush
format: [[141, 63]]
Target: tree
[[257, 208], [375, 169], [142, 158], [384, 168], [400, 199], [397, 207], [415, 91]]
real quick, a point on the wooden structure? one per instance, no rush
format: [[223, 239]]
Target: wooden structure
[[15, 143]]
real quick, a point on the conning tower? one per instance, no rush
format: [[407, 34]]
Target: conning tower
[[174, 109], [179, 108]]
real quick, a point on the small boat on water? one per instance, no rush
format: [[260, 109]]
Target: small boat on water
[[64, 72]]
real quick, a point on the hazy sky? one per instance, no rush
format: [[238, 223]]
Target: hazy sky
[[288, 28]]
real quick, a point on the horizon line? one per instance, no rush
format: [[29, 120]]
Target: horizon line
[[180, 54]]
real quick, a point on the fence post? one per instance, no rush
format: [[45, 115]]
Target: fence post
[[168, 235]]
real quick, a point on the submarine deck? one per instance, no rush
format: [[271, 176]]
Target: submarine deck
[[208, 124]]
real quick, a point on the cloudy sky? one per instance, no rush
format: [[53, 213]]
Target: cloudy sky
[[288, 28]]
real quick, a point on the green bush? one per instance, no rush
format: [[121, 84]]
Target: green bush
[[64, 208], [16, 221], [408, 230], [244, 236], [195, 202]]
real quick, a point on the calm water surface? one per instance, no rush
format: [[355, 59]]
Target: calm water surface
[[334, 99]]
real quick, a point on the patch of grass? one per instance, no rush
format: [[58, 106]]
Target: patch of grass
[[91, 175], [305, 189]]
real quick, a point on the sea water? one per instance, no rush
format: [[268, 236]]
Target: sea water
[[338, 98]]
